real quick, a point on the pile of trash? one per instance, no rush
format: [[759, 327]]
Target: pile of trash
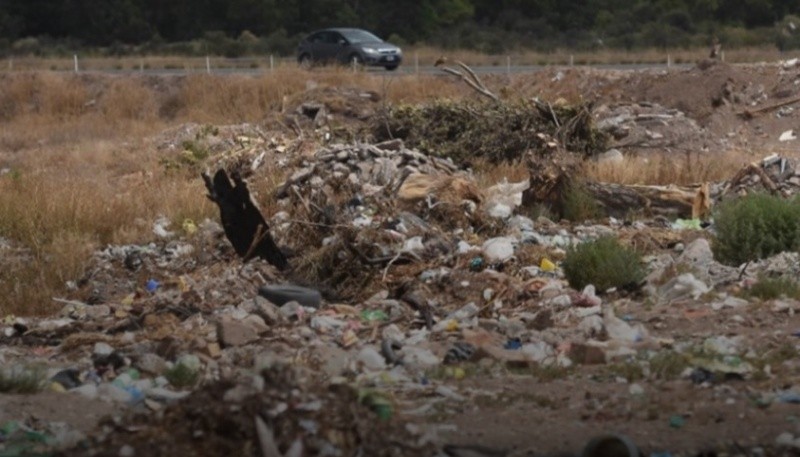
[[647, 128], [773, 174], [420, 278]]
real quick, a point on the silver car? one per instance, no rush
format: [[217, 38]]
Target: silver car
[[348, 46]]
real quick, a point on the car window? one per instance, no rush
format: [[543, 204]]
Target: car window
[[360, 36], [317, 37]]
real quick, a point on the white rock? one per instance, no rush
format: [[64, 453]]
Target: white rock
[[415, 357], [87, 390], [636, 389], [499, 249], [787, 136], [371, 359], [538, 351], [611, 156], [101, 348]]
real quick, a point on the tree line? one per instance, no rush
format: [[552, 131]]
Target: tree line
[[484, 25]]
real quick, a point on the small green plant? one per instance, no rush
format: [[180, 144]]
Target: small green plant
[[668, 365], [632, 370], [579, 206], [181, 376], [22, 380], [771, 288], [604, 263], [755, 227]]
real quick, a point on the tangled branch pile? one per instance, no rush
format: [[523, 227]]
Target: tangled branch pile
[[464, 130]]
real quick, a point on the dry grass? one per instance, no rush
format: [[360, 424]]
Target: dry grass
[[660, 169]]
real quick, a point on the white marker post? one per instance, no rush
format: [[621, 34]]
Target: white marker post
[[508, 65], [571, 60], [75, 59], [271, 63], [208, 65], [416, 63]]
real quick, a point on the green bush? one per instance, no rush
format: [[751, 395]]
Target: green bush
[[755, 227], [605, 263], [579, 205]]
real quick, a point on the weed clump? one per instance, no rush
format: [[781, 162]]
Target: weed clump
[[754, 227], [578, 205], [182, 376], [768, 288], [604, 263]]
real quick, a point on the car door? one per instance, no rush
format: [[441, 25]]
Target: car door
[[328, 46]]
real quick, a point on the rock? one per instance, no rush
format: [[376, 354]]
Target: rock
[[419, 358], [166, 395], [587, 353], [292, 310], [683, 287], [611, 156], [256, 323], [538, 351], [334, 360], [233, 333], [498, 249], [699, 256], [190, 361], [729, 302], [98, 311], [87, 390], [102, 349], [267, 310], [371, 359], [151, 363]]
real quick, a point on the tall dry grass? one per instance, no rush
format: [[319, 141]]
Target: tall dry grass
[[664, 169]]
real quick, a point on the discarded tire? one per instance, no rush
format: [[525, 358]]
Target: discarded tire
[[610, 446], [282, 294]]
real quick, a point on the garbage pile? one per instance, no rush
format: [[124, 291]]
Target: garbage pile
[[650, 127], [773, 174], [425, 279]]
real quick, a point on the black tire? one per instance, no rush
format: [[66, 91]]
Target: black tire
[[391, 67], [282, 294], [304, 61]]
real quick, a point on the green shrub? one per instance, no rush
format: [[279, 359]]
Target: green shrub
[[605, 263], [181, 376], [579, 205], [755, 227], [771, 288]]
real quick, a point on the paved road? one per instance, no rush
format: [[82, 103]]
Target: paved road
[[402, 71]]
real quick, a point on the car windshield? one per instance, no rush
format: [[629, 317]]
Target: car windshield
[[360, 36]]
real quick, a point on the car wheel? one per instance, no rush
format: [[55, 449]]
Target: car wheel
[[391, 67], [304, 61]]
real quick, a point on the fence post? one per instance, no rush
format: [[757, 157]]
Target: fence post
[[75, 59], [508, 65], [208, 65], [416, 63], [11, 64], [571, 60], [141, 65], [271, 63], [669, 60]]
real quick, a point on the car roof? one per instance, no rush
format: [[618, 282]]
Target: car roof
[[337, 29]]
